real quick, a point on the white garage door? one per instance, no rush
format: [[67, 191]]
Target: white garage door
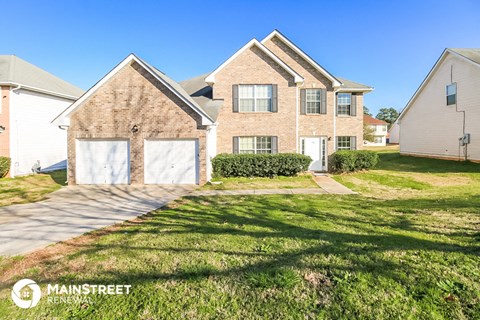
[[171, 161], [102, 162]]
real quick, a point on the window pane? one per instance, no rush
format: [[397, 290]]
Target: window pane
[[313, 107], [246, 105], [264, 105], [247, 145], [343, 143], [263, 91], [245, 91], [451, 89], [452, 99], [343, 103]]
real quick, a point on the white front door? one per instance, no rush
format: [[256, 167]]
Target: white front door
[[316, 148], [102, 162], [171, 162]]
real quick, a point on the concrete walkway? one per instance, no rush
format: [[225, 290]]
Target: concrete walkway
[[72, 211], [331, 186], [326, 186]]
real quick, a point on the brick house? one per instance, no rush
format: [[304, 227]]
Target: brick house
[[138, 126]]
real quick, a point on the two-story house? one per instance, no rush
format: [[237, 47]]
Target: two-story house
[[30, 98], [442, 118], [136, 125], [379, 131]]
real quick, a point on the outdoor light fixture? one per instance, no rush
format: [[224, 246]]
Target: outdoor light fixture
[[2, 129], [134, 129]]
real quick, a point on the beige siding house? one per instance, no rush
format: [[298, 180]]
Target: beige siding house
[[442, 118], [138, 126], [379, 131]]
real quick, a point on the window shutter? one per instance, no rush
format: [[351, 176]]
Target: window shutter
[[336, 105], [274, 98], [235, 97], [353, 105], [303, 101], [274, 144], [336, 144], [235, 144], [323, 102], [353, 143]]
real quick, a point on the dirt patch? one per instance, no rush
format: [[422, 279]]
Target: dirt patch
[[439, 181]]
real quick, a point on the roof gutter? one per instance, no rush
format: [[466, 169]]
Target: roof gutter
[[20, 86]]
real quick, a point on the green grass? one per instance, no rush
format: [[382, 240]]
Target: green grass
[[30, 188], [300, 181], [413, 254]]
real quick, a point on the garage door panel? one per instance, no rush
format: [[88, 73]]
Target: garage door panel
[[102, 162], [171, 161]]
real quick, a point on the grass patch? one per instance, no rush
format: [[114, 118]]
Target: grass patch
[[30, 188], [395, 252], [300, 181]]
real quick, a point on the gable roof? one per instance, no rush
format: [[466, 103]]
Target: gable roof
[[202, 94], [371, 120], [470, 55], [18, 72], [275, 33], [63, 118], [210, 79]]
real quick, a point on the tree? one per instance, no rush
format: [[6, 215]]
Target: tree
[[366, 111], [388, 115], [368, 132]]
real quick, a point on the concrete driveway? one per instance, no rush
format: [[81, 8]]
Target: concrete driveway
[[75, 210]]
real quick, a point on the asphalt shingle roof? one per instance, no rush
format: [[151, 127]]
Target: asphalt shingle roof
[[471, 54], [14, 70]]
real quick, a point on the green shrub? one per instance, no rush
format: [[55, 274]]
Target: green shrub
[[353, 160], [4, 166], [260, 165]]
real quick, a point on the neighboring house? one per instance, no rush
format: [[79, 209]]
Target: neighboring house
[[442, 118], [136, 125], [394, 133], [379, 128], [30, 98]]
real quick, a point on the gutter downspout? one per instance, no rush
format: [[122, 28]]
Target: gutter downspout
[[334, 113], [297, 113]]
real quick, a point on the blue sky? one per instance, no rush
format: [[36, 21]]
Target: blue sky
[[390, 45]]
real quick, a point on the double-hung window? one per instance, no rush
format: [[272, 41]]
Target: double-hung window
[[255, 98], [255, 145], [344, 103], [346, 143], [451, 94], [313, 101]]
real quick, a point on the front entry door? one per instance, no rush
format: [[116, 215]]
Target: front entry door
[[316, 148]]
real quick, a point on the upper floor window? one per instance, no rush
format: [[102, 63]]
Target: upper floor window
[[313, 100], [344, 104], [384, 128], [255, 98], [451, 94]]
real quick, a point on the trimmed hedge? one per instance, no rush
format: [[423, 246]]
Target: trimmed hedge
[[353, 160], [259, 165], [4, 166]]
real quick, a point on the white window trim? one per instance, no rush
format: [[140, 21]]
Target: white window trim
[[344, 148], [254, 97], [255, 149], [319, 101], [349, 105], [454, 84]]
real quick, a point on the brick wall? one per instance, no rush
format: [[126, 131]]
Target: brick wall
[[134, 97], [254, 67]]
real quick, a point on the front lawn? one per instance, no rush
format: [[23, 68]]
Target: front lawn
[[30, 188], [413, 254]]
